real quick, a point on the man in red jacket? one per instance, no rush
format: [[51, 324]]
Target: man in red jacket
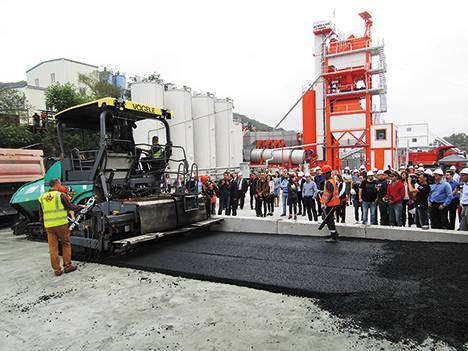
[[395, 195]]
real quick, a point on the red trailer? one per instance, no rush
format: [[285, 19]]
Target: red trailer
[[17, 167]]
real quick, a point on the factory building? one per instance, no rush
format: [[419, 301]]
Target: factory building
[[62, 71]]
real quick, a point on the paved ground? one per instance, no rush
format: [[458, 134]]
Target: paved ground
[[403, 290], [102, 307], [292, 264]]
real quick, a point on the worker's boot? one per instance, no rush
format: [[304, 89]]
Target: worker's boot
[[332, 239]]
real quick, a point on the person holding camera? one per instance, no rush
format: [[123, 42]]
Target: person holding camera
[[420, 190]]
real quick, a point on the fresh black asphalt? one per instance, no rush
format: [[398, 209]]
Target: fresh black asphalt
[[401, 289], [299, 265]]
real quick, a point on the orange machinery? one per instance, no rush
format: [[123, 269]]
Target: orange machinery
[[339, 112]]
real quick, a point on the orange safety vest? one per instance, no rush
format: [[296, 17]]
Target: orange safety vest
[[335, 198]]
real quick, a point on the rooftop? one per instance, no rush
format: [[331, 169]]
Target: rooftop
[[60, 59]]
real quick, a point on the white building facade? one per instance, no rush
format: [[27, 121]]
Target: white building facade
[[414, 136], [46, 73]]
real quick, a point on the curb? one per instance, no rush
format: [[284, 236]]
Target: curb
[[362, 231]]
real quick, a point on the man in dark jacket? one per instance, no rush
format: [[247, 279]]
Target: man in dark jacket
[[223, 194], [242, 186], [234, 195], [382, 185]]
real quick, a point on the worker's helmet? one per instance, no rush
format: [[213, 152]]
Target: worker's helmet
[[464, 171], [438, 171], [326, 169], [370, 173]]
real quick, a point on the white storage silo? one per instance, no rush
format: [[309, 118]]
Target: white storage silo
[[224, 132], [204, 139], [179, 101], [237, 149], [148, 93]]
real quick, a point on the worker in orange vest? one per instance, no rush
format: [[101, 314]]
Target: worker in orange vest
[[329, 200]]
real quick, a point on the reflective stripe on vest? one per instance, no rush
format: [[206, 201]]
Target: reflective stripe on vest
[[335, 197], [54, 213]]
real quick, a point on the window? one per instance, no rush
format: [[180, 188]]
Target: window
[[414, 140], [36, 82], [52, 78], [408, 129], [380, 134]]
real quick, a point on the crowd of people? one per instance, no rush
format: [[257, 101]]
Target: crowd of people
[[409, 196]]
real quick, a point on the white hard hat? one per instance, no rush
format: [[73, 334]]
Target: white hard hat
[[240, 174], [362, 167], [300, 174], [346, 168], [453, 168], [370, 173], [439, 172], [355, 170], [307, 174], [428, 171], [464, 171], [420, 165], [374, 169], [421, 169], [379, 172], [402, 167], [411, 167]]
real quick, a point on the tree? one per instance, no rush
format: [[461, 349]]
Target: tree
[[59, 97], [98, 84], [459, 140], [14, 136], [12, 101]]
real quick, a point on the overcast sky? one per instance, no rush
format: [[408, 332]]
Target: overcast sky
[[257, 52]]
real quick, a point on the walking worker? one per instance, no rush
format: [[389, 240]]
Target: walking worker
[[463, 189], [439, 200], [53, 213], [309, 191], [329, 200]]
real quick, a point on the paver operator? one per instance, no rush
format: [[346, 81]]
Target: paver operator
[[329, 200], [53, 213]]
